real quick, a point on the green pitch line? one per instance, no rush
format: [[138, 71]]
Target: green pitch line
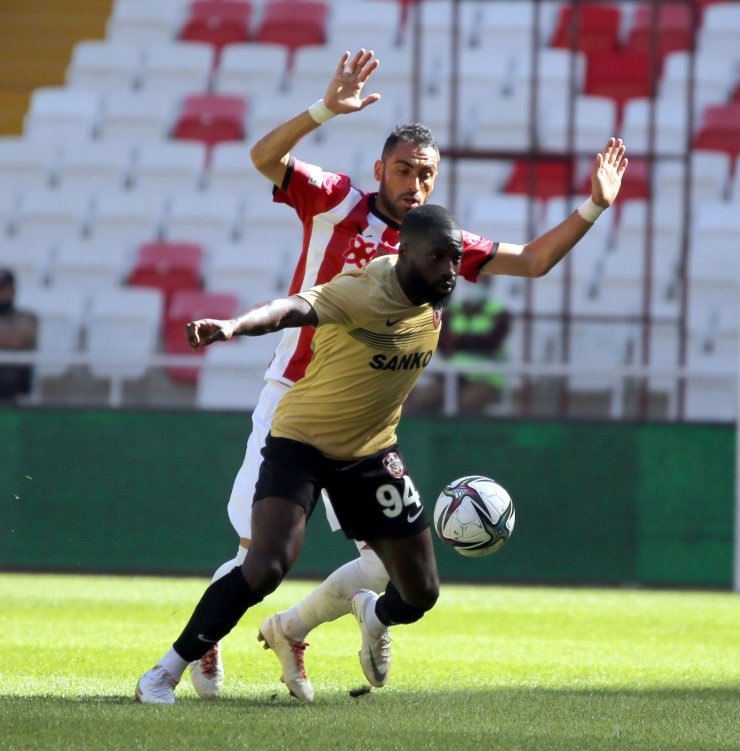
[[489, 668]]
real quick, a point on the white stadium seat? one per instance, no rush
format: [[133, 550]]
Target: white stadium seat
[[169, 166], [52, 215], [59, 115], [209, 219], [86, 266], [30, 262], [123, 327], [231, 170], [137, 117], [95, 166], [594, 120], [144, 22], [104, 66], [26, 164], [251, 69], [178, 68]]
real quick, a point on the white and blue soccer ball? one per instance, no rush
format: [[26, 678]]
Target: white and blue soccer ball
[[474, 515]]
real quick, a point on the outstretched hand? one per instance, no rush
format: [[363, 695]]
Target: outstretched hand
[[206, 331], [344, 92], [606, 178]]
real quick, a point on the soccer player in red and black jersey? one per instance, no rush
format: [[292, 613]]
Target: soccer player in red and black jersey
[[344, 228]]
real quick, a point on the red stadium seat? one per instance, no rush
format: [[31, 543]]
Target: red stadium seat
[[211, 119], [542, 179], [674, 28], [620, 76], [168, 266], [218, 22], [190, 305], [293, 23], [720, 129], [588, 28]]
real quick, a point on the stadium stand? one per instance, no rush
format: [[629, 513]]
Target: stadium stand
[[133, 150]]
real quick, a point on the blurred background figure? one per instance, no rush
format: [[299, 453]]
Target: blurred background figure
[[475, 328], [17, 332]]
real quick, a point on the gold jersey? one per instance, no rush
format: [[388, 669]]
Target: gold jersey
[[371, 345]]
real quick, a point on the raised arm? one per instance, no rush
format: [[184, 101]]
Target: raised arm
[[263, 318], [541, 254], [271, 153]]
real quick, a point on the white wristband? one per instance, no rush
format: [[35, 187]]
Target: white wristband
[[319, 112], [590, 211]]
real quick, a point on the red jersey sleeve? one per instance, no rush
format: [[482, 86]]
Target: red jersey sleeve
[[309, 190], [477, 252]]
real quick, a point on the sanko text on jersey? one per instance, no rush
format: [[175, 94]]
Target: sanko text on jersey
[[409, 361]]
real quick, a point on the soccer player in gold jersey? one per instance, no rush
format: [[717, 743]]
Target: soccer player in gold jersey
[[377, 329]]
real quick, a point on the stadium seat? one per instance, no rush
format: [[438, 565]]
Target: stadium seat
[[232, 374], [168, 267], [85, 266], [208, 219], [121, 221], [351, 25], [540, 179], [670, 123], [169, 166], [504, 218], [136, 117], [590, 27], [178, 68], [52, 215], [510, 25], [621, 76], [720, 129], [486, 129], [674, 22], [57, 115], [31, 262], [710, 173], [211, 118], [560, 75], [143, 22], [218, 23], [594, 121], [713, 78], [122, 331], [719, 30], [26, 164], [8, 212], [60, 314], [191, 305], [104, 66], [272, 225], [293, 23], [245, 270], [95, 166], [231, 170], [252, 69]]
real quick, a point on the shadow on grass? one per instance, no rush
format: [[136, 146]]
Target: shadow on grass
[[529, 719]]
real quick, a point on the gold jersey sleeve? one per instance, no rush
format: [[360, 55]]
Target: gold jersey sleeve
[[371, 345]]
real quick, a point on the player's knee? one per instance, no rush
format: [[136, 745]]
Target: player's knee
[[425, 597], [264, 573]]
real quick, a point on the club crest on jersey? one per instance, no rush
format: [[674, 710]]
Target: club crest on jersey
[[360, 252], [393, 465], [437, 313]]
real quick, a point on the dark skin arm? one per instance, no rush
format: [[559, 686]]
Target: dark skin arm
[[263, 318]]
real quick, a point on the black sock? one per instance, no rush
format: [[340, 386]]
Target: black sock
[[391, 609], [219, 610]]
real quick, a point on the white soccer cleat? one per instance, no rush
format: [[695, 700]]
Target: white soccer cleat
[[156, 686], [207, 674], [375, 654], [290, 653]]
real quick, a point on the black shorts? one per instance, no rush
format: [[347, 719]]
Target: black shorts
[[373, 497]]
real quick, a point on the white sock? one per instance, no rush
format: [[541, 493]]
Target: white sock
[[374, 625], [173, 664], [331, 599], [227, 567]]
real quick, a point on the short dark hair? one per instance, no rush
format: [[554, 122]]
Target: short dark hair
[[414, 133], [422, 220], [7, 278]]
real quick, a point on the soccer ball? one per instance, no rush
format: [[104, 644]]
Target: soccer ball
[[474, 515]]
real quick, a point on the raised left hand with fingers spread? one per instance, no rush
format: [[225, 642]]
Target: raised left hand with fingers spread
[[343, 94], [606, 178]]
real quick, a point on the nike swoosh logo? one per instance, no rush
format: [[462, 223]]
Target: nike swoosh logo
[[411, 518], [207, 641], [388, 321], [379, 676]]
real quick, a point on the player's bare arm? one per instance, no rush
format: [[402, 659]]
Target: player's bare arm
[[537, 257], [270, 155], [263, 318]]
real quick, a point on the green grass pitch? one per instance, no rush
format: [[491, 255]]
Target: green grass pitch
[[489, 668]]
